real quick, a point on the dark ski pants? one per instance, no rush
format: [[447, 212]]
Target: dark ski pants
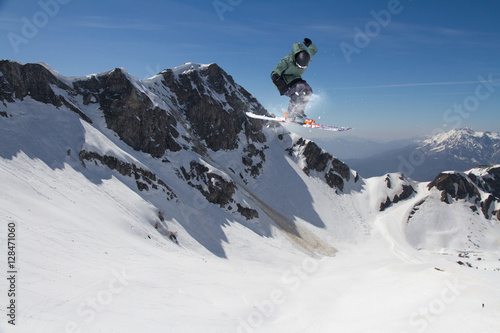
[[299, 94]]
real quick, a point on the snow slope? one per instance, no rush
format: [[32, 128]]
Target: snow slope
[[94, 256], [89, 263]]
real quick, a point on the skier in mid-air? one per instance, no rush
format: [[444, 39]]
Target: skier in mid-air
[[287, 77]]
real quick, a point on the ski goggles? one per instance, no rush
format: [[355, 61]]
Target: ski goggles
[[299, 66]]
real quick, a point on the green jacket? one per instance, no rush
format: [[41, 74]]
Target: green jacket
[[286, 67]]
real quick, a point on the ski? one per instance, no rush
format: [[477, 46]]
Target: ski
[[311, 124]]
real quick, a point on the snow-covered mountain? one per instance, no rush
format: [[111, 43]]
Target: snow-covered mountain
[[466, 145], [157, 205], [458, 149]]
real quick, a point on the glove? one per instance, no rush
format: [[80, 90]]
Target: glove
[[307, 42], [280, 83]]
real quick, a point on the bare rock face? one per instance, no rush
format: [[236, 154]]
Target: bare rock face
[[489, 181], [215, 188], [35, 81], [335, 171], [401, 187], [468, 186], [145, 179], [455, 186], [131, 113], [195, 108], [212, 104], [215, 106]]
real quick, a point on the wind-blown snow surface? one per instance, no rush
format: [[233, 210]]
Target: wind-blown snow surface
[[90, 259]]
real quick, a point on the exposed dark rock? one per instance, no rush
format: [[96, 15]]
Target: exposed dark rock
[[334, 180], [386, 204], [455, 186], [490, 182], [34, 80], [465, 186], [254, 159], [415, 209], [316, 158], [131, 113], [336, 171], [388, 181], [486, 205], [356, 178], [341, 168], [214, 188], [248, 213], [144, 178], [407, 191], [201, 109], [216, 122]]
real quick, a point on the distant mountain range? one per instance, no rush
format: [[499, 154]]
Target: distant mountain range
[[359, 148], [458, 149]]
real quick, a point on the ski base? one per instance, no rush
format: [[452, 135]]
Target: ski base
[[308, 125]]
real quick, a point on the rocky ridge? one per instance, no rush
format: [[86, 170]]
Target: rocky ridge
[[182, 117], [190, 128]]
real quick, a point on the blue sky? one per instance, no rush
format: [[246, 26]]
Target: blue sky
[[392, 69]]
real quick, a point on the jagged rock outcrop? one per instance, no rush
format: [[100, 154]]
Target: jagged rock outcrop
[[335, 171], [468, 186], [215, 188], [131, 113], [214, 121], [254, 159], [403, 189], [35, 81], [145, 179], [487, 180], [455, 186], [191, 120]]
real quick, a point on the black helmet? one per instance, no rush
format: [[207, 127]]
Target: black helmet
[[302, 59]]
